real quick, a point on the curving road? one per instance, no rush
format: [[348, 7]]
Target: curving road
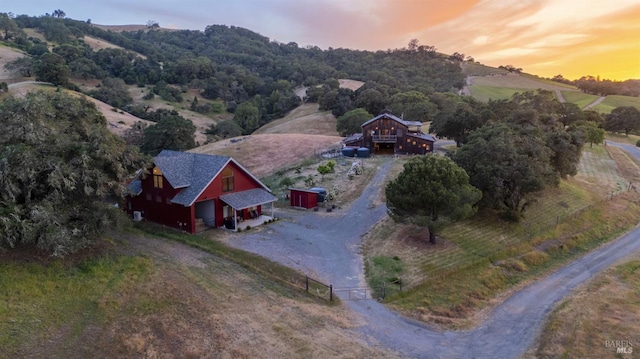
[[327, 246]]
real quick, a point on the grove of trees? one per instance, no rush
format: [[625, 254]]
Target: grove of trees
[[236, 66], [522, 149]]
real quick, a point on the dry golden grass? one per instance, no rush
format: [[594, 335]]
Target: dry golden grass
[[99, 44], [265, 154], [605, 309], [8, 54], [519, 82], [305, 119], [627, 165], [117, 121], [120, 28], [187, 304], [130, 27], [202, 122], [35, 34], [350, 84]]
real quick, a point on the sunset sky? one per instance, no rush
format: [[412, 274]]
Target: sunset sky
[[544, 37]]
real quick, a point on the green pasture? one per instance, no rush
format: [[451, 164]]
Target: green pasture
[[554, 84], [581, 99], [473, 69], [611, 102], [486, 93], [39, 299]]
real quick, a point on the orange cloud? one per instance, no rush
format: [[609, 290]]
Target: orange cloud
[[569, 37], [363, 24]]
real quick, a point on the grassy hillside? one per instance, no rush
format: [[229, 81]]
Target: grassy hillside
[[305, 119], [473, 69], [9, 54], [486, 93], [503, 86], [118, 121], [611, 102], [479, 258], [606, 307], [579, 98], [98, 44], [140, 297], [520, 82], [267, 153]]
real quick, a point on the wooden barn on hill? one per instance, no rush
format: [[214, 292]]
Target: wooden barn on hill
[[387, 133], [192, 192]]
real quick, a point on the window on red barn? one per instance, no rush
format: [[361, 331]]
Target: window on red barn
[[227, 180], [157, 177]]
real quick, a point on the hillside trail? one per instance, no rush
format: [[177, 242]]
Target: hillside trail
[[595, 102], [326, 246], [465, 89], [560, 96]]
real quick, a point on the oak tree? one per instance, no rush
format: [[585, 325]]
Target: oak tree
[[61, 170], [430, 191]]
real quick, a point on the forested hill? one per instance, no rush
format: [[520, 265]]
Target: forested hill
[[225, 63]]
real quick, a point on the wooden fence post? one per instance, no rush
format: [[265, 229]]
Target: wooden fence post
[[307, 282], [331, 292]]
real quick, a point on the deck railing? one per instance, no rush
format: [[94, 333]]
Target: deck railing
[[381, 138]]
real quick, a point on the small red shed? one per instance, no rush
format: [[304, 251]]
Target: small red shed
[[303, 198]]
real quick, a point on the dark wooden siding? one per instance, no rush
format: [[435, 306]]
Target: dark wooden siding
[[384, 130], [414, 145]]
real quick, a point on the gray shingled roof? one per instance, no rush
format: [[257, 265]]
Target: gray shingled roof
[[191, 172], [134, 188], [249, 198], [354, 137], [423, 136], [398, 119]]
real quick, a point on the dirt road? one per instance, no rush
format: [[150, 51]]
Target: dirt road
[[595, 103], [326, 246]]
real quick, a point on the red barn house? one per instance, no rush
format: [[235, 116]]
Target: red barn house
[[192, 192]]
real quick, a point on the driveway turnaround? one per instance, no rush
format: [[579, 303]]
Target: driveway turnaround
[[326, 246]]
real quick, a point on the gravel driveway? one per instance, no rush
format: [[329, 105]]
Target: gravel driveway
[[326, 247]]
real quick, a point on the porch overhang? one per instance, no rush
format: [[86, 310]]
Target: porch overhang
[[249, 198]]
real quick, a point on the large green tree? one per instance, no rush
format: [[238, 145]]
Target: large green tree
[[52, 68], [430, 191], [458, 120], [413, 106], [60, 168], [172, 132], [247, 116], [623, 119], [8, 27], [226, 129], [24, 65], [507, 166], [351, 122], [114, 92], [591, 132]]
